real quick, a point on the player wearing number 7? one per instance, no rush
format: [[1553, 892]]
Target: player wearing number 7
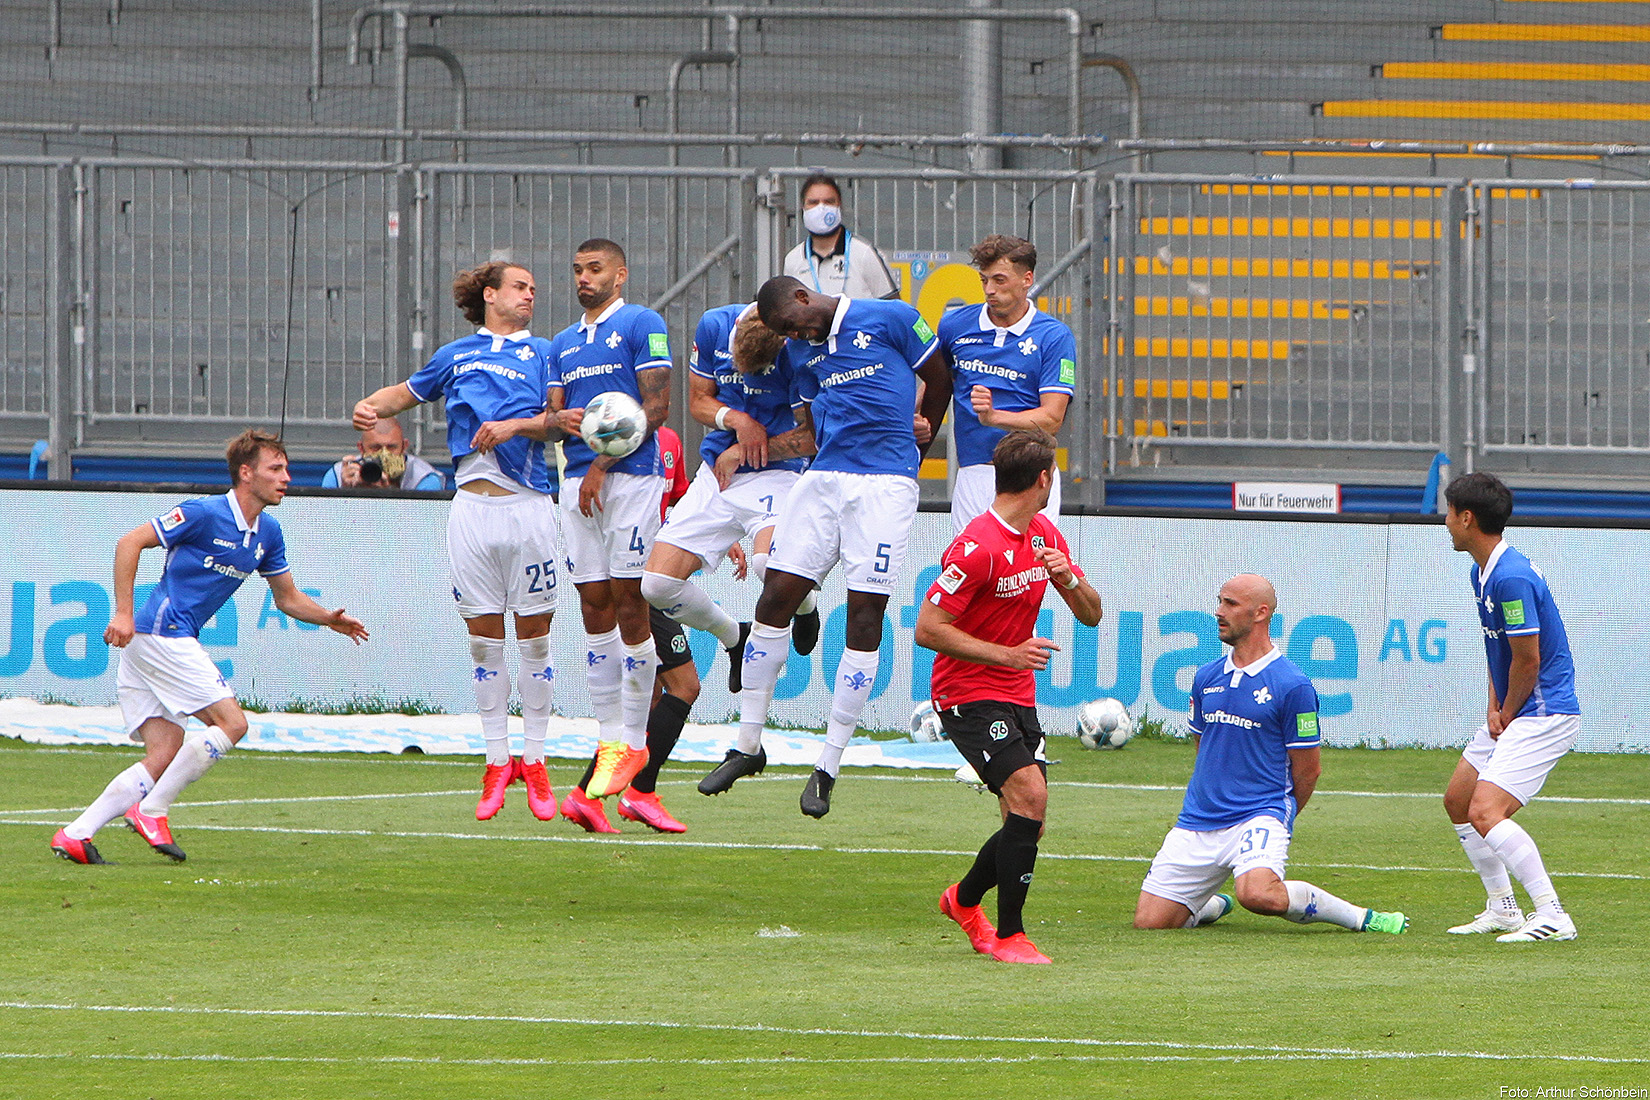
[[1255, 720]]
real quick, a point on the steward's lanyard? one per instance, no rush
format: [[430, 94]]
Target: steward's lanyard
[[847, 261]]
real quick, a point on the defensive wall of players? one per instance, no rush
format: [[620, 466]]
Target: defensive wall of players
[[1375, 612], [1358, 323]]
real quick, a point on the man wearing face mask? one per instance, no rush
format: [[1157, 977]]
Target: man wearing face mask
[[383, 463], [832, 260]]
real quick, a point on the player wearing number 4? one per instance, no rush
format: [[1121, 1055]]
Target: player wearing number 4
[[1532, 717], [212, 546], [980, 616], [609, 504], [858, 363], [1255, 720], [501, 532]]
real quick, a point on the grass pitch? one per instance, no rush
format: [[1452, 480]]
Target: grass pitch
[[344, 927]]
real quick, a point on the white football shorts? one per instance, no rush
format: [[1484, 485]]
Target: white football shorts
[[1520, 760], [708, 519], [976, 488], [1191, 866], [615, 539], [502, 553], [168, 678], [862, 520]]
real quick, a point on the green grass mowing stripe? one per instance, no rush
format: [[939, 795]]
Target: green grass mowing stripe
[[733, 845], [827, 1032]]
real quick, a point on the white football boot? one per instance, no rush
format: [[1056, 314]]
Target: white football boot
[[1491, 920], [1542, 925]]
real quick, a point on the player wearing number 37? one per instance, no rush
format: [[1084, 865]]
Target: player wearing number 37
[[1255, 720]]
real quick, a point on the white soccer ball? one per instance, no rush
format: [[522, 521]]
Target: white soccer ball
[[1104, 724], [925, 724], [613, 424]]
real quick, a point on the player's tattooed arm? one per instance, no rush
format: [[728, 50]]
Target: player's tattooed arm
[[654, 386], [799, 442], [563, 421], [936, 395]]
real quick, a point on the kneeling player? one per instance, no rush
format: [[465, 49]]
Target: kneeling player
[[1255, 720], [980, 617], [212, 546]]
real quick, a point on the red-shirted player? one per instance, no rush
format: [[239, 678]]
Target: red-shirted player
[[674, 690], [980, 617]]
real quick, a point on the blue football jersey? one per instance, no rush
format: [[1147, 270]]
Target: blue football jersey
[[1513, 601], [862, 384], [1018, 364], [590, 359], [768, 396], [489, 377], [210, 550], [1247, 720]]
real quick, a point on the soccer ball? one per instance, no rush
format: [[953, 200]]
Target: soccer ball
[[925, 724], [1104, 724], [613, 424]]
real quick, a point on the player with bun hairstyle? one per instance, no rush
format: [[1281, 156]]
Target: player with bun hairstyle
[[501, 532]]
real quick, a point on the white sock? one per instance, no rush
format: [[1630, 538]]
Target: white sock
[[123, 792], [854, 679], [1523, 859], [491, 681], [759, 567], [603, 669], [690, 605], [764, 660], [641, 667], [1310, 904], [198, 753], [1211, 910], [809, 602], [1488, 865], [535, 685]]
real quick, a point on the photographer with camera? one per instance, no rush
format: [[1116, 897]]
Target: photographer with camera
[[383, 463]]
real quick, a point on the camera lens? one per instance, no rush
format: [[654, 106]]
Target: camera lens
[[372, 471]]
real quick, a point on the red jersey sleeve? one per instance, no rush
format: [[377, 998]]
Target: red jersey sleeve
[[963, 575]]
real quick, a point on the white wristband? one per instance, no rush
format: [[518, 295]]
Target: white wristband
[[722, 417], [1075, 581]]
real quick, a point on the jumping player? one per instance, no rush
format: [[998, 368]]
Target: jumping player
[[1532, 718], [741, 383], [1013, 366], [501, 532], [610, 506], [859, 362], [980, 617], [212, 546], [1255, 721]]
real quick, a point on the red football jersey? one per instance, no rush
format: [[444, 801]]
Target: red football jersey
[[672, 458], [993, 584]]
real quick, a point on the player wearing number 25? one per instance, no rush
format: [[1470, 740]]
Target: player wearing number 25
[[501, 533], [1255, 720]]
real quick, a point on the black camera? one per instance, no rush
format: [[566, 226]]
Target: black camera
[[372, 471]]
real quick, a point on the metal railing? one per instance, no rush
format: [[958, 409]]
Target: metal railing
[[1307, 320]]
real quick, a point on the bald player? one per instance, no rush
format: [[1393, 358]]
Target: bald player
[[1255, 721]]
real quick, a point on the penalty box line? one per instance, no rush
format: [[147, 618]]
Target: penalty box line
[[737, 845], [1247, 1049]]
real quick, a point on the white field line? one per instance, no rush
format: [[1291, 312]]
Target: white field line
[[662, 842], [851, 1033]]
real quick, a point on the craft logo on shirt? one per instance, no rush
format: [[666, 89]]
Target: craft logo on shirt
[[862, 340], [1306, 725], [614, 340], [1264, 695], [1027, 346], [171, 519], [952, 578], [1513, 612], [920, 327], [225, 543], [1068, 371], [524, 353], [658, 345]]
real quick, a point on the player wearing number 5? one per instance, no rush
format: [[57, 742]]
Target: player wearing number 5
[[1255, 720], [610, 505], [858, 365], [501, 532]]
